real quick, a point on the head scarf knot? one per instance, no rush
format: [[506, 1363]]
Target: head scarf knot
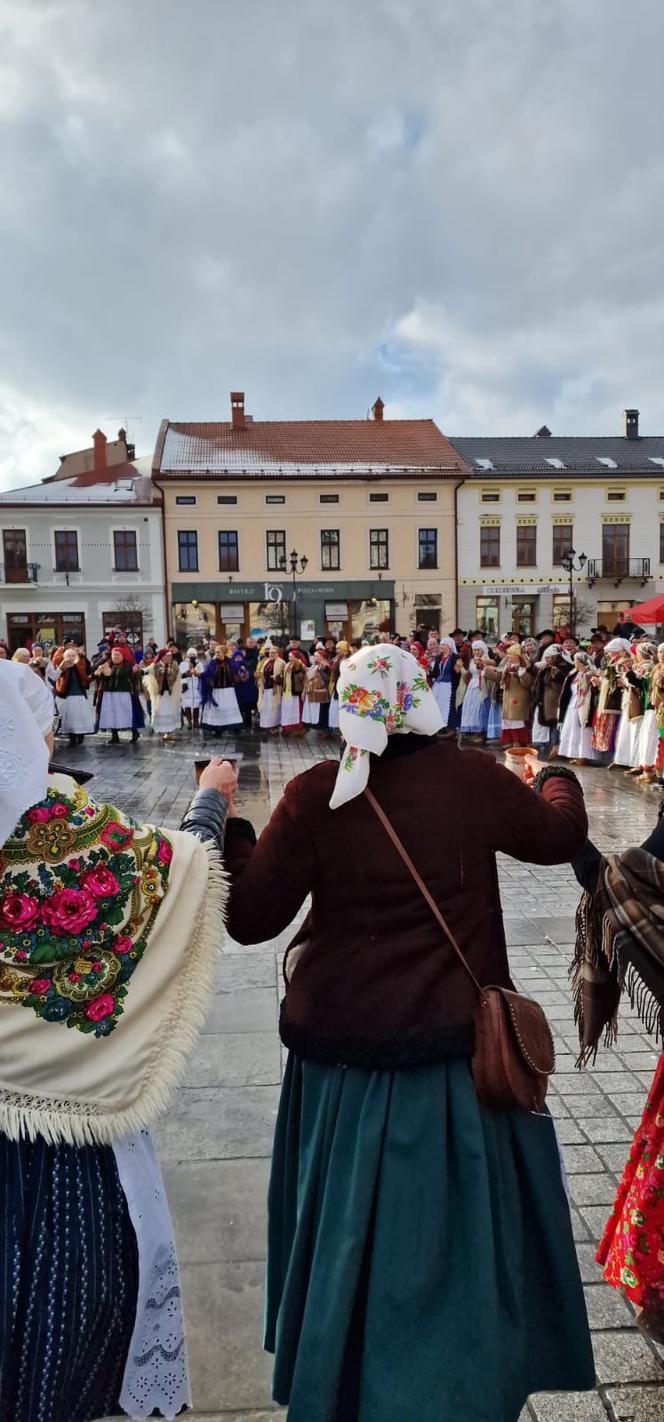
[[382, 692]]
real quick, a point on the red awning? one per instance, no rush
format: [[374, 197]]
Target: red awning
[[647, 613]]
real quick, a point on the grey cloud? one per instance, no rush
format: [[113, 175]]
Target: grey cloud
[[456, 205]]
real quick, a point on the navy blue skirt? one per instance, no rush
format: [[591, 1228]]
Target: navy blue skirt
[[68, 1282]]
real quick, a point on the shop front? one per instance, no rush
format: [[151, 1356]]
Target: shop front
[[519, 608], [50, 629], [353, 609]]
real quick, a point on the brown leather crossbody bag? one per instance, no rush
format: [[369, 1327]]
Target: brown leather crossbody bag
[[514, 1051]]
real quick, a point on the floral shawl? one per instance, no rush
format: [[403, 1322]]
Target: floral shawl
[[108, 931], [382, 692]]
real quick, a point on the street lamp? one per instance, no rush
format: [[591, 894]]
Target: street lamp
[[571, 566], [298, 566]]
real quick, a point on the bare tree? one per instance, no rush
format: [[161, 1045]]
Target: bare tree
[[133, 615]]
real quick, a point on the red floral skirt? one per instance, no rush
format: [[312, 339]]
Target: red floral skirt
[[632, 1248], [605, 730], [517, 736]]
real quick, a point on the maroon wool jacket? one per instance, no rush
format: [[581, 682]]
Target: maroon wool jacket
[[377, 984]]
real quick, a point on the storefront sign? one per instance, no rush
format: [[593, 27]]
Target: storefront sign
[[521, 589]]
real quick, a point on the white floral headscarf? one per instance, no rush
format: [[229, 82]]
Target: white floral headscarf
[[383, 691]]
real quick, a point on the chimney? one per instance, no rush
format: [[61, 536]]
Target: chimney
[[377, 409], [237, 409], [99, 452], [631, 424], [543, 432]]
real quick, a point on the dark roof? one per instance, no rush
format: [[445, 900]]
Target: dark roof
[[578, 454], [305, 448]]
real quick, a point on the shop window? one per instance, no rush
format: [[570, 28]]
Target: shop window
[[275, 539], [330, 549], [187, 550], [194, 621], [562, 541], [131, 623], [229, 555], [524, 617], [486, 617], [560, 615], [526, 545], [490, 546], [379, 548], [125, 550], [428, 548], [369, 618], [66, 550]]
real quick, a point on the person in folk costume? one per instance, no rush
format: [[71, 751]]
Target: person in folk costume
[[245, 686], [516, 680], [475, 705], [221, 708], [110, 936], [577, 710], [316, 709], [448, 676], [432, 649], [270, 675], [553, 672], [343, 652], [295, 675], [191, 671], [494, 724], [51, 673], [638, 676], [71, 695], [164, 683], [631, 713], [417, 651], [375, 1329], [657, 705], [118, 695], [609, 704], [251, 658], [620, 947]]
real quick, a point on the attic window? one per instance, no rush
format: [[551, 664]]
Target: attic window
[[555, 463], [615, 496], [483, 463], [562, 496], [608, 463], [491, 496], [124, 486], [656, 459], [526, 496]]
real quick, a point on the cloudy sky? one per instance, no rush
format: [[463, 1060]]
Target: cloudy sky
[[457, 204]]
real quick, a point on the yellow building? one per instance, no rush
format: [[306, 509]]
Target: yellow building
[[367, 506]]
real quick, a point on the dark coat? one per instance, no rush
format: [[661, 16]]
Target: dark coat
[[376, 984]]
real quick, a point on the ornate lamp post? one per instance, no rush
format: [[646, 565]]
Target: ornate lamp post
[[572, 566], [298, 566]]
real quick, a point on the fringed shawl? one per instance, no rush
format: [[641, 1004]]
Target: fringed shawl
[[620, 945]]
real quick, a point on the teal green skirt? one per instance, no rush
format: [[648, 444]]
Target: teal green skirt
[[421, 1266]]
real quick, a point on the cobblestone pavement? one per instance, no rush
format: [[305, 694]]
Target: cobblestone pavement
[[215, 1140]]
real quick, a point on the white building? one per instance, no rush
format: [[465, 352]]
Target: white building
[[530, 500], [83, 551]]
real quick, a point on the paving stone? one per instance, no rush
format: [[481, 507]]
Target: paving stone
[[614, 1156], [224, 1311], [582, 1158], [235, 1059], [625, 1357], [578, 1085], [218, 1124], [568, 1407], [593, 1189], [218, 1209], [607, 1308], [596, 1106], [253, 1010], [591, 1272], [636, 1404], [595, 1217], [607, 1128], [247, 970], [568, 1132]]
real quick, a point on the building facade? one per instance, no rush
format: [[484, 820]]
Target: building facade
[[367, 506], [83, 551], [529, 501]]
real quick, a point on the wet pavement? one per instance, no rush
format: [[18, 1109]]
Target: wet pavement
[[215, 1140]]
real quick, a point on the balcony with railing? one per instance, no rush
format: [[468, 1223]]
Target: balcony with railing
[[19, 572], [618, 570]]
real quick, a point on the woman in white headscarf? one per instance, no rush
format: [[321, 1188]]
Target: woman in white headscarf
[[475, 708], [109, 937], [420, 1254]]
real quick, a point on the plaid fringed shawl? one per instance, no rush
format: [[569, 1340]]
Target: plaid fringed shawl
[[619, 945]]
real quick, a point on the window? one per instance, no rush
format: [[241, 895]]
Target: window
[[490, 546], [562, 496], [526, 496], [615, 550], [428, 548], [486, 615], [276, 548], [185, 498], [379, 498], [526, 545], [491, 496], [275, 498], [229, 556], [330, 549], [226, 498], [562, 541], [130, 622], [15, 555], [328, 498], [561, 613], [427, 498], [379, 548], [187, 550], [66, 550], [615, 496], [125, 550]]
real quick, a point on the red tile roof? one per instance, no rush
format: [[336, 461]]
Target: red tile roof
[[306, 447]]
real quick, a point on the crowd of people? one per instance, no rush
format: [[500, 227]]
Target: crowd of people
[[597, 701]]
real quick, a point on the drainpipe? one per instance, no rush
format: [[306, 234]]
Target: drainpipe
[[456, 553], [167, 617]]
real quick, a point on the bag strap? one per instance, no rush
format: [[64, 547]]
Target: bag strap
[[390, 830]]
